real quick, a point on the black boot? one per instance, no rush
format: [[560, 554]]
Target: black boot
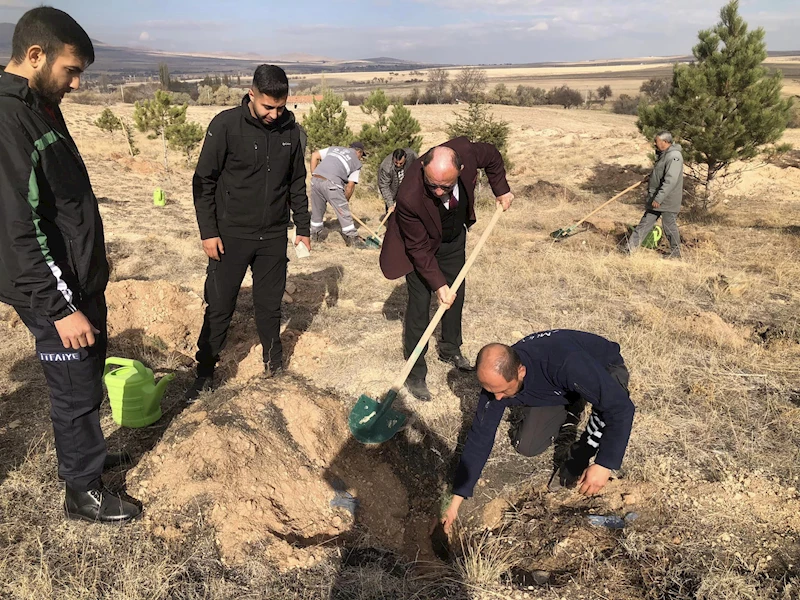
[[272, 371], [353, 241], [419, 389], [200, 385], [98, 506], [458, 361], [580, 454]]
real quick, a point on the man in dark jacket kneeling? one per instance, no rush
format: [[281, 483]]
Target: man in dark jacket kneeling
[[550, 376]]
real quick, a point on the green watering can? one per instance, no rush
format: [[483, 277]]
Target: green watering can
[[159, 197], [652, 239], [134, 395]]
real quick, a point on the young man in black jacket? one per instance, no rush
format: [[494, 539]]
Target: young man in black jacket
[[251, 172], [53, 267], [550, 376]]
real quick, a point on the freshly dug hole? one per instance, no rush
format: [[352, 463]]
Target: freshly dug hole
[[260, 466]]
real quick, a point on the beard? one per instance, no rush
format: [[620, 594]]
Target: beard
[[46, 86]]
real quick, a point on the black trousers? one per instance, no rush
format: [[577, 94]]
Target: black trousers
[[75, 378], [268, 260], [451, 257], [540, 425]]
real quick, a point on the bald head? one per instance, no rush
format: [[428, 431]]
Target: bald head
[[500, 370], [441, 166]]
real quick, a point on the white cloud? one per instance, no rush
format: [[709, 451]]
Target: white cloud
[[185, 25], [540, 26], [144, 36]]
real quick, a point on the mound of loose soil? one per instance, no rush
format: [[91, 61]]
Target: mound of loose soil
[[261, 466], [163, 312], [545, 189], [702, 325], [610, 179]]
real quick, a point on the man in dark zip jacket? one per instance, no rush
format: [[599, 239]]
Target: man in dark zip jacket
[[250, 174], [550, 375], [53, 267]]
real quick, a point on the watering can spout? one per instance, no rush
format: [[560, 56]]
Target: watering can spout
[[162, 385]]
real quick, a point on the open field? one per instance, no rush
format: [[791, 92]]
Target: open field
[[623, 78], [237, 487]]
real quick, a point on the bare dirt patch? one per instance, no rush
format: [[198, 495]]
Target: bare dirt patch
[[545, 189]]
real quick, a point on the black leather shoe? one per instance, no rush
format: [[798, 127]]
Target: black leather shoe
[[98, 506], [200, 385], [458, 361], [419, 389]]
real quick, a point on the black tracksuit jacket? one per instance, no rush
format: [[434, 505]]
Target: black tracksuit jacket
[[556, 362], [52, 250], [249, 175]]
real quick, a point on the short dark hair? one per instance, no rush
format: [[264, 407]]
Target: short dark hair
[[427, 158], [399, 154], [52, 29], [272, 81], [507, 363]]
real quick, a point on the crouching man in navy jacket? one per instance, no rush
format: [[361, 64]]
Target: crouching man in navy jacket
[[551, 376]]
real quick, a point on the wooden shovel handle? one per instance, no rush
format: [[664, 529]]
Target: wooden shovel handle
[[386, 218], [360, 222], [401, 379], [602, 206]]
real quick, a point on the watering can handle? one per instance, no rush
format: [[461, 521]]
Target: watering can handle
[[123, 362]]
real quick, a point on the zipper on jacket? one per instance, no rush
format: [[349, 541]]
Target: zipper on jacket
[[255, 157], [74, 267], [266, 186]]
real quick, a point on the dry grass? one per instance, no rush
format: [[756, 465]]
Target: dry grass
[[711, 341]]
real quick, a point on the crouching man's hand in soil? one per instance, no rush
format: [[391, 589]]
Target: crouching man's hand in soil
[[451, 514], [593, 480]]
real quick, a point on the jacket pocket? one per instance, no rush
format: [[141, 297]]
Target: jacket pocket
[[226, 201]]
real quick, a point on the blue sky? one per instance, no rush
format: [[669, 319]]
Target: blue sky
[[447, 31]]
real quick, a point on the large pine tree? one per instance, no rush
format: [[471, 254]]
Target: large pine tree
[[725, 106]]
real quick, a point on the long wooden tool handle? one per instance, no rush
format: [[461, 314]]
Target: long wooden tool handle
[[401, 379], [386, 218], [360, 222], [602, 206]]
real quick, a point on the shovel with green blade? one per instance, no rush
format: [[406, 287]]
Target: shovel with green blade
[[374, 422], [373, 241], [567, 231]]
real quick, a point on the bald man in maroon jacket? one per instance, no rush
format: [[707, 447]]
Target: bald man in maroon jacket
[[426, 242]]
